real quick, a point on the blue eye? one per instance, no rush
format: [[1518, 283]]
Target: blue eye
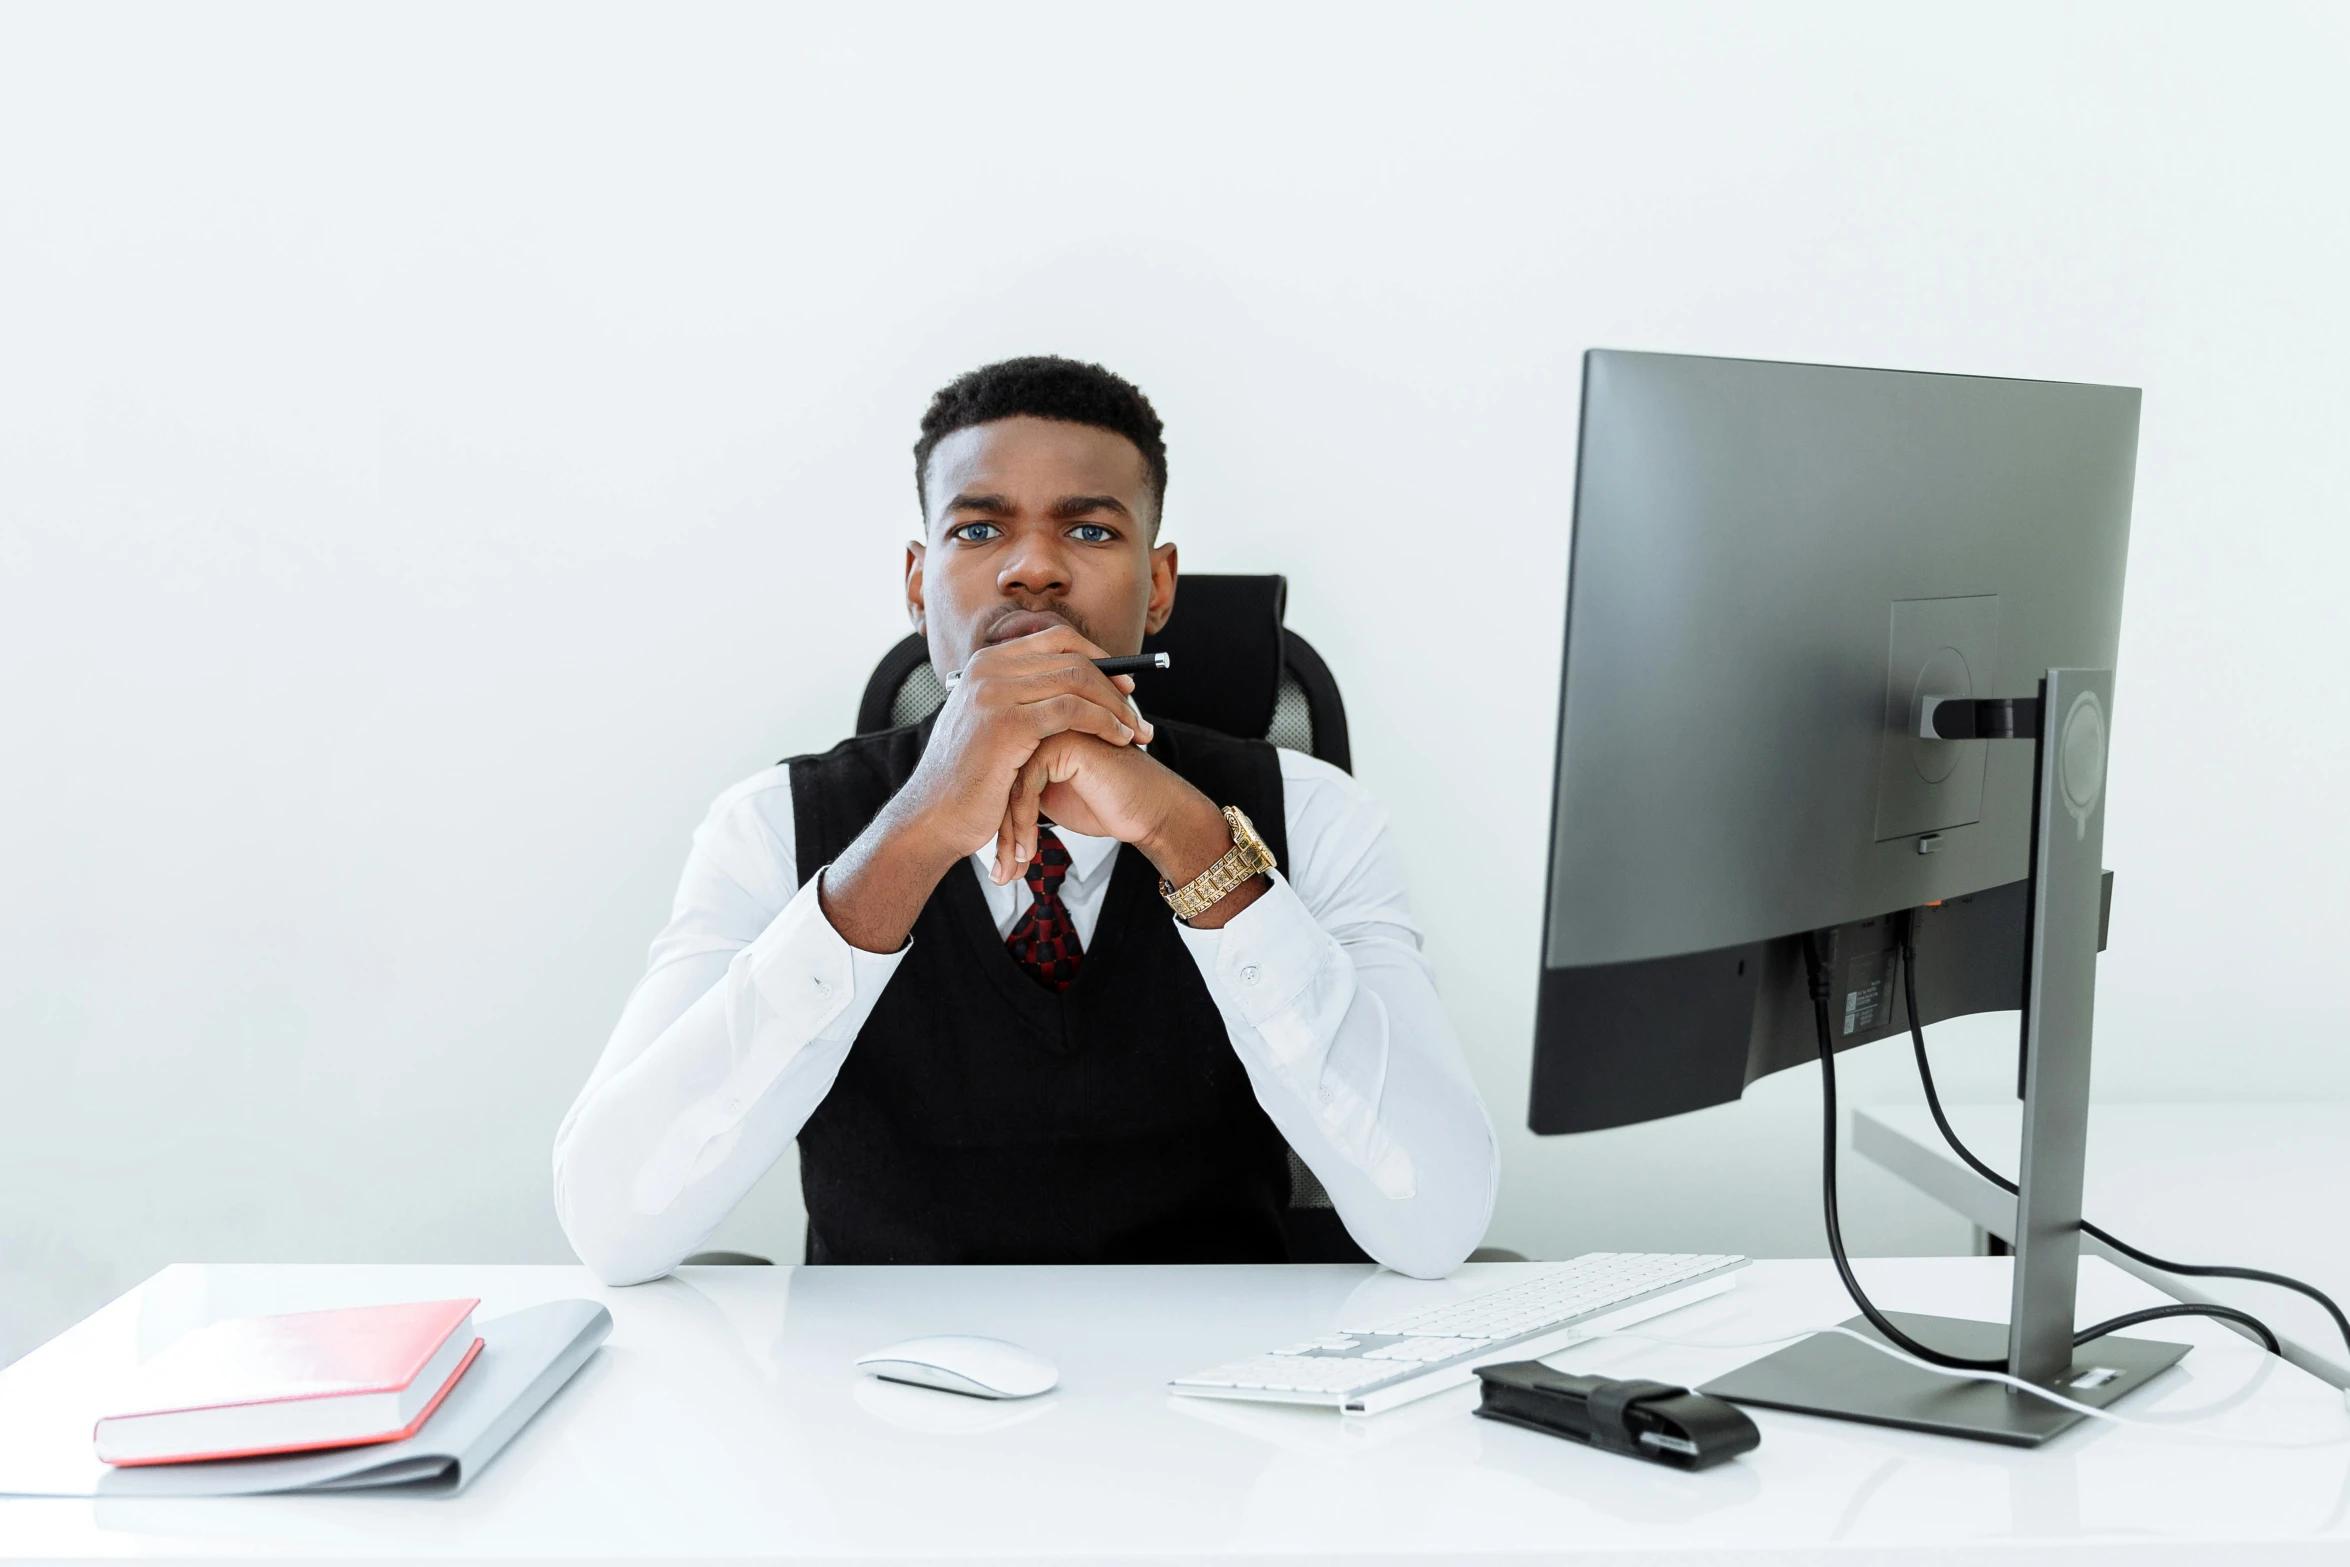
[[1092, 533], [975, 532]]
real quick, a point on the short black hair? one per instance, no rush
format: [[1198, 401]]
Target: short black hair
[[1043, 386]]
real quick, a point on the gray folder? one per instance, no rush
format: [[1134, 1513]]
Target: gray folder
[[525, 1357]]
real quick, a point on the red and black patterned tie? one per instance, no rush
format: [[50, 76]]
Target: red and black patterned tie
[[1045, 941]]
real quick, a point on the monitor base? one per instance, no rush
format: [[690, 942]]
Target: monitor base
[[1828, 1374]]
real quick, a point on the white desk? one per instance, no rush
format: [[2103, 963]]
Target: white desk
[[2255, 1185], [722, 1420]]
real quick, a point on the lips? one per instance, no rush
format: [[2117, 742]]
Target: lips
[[1023, 623]]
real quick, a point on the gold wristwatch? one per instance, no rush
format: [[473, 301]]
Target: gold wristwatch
[[1247, 857]]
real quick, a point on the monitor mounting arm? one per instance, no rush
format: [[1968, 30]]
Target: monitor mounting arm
[[1979, 718]]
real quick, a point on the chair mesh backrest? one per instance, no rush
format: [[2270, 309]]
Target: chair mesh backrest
[[920, 694], [1292, 728]]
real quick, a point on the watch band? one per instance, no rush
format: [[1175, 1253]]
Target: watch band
[[1247, 857]]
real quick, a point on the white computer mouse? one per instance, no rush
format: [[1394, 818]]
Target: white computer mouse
[[960, 1363]]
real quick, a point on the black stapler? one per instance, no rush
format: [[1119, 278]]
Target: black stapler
[[1651, 1420]]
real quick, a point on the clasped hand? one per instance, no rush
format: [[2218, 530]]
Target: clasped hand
[[1031, 730], [1034, 730]]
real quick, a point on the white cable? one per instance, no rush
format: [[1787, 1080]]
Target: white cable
[[2018, 1383]]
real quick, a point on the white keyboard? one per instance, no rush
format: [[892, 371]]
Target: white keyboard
[[1369, 1366]]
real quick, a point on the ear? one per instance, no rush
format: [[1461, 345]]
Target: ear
[[1162, 602], [914, 557]]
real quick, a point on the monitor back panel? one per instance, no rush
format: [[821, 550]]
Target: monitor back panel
[[1772, 565]]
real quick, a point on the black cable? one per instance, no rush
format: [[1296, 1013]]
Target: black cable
[[2192, 1270], [1818, 974], [2130, 1319]]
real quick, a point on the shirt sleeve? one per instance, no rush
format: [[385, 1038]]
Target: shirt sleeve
[[1333, 1011], [748, 1006]]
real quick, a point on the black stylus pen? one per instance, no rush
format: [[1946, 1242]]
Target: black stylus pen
[[1123, 664]]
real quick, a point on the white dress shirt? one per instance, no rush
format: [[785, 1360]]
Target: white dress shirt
[[752, 1000]]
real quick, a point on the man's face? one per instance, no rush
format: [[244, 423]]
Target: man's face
[[1031, 523]]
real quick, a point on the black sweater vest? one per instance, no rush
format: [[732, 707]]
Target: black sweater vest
[[983, 1118]]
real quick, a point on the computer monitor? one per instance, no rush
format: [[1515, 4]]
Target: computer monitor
[[1779, 574]]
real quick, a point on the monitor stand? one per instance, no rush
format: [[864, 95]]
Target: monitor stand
[[1828, 1374], [1831, 1375]]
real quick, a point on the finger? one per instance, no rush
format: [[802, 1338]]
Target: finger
[[1079, 671], [1025, 679], [1021, 814], [1082, 679], [1046, 649], [1003, 839], [1023, 809], [1075, 715], [999, 870], [1002, 870]]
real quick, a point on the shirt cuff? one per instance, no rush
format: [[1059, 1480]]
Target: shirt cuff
[[807, 973], [1266, 958]]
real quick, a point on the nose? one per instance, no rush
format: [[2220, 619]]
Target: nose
[[1035, 566]]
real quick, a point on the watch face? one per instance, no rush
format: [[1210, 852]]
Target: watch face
[[1244, 833]]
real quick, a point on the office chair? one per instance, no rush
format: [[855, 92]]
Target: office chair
[[1235, 669]]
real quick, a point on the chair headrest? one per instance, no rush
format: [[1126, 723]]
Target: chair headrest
[[1224, 640]]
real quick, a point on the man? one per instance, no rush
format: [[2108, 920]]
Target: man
[[1014, 978]]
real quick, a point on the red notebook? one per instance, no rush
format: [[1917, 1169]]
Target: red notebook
[[254, 1385]]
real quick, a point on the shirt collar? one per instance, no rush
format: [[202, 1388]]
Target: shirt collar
[[1087, 854]]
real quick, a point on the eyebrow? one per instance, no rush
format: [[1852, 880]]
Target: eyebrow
[[1069, 506], [993, 505]]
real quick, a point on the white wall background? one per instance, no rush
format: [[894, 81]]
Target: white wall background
[[442, 448]]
